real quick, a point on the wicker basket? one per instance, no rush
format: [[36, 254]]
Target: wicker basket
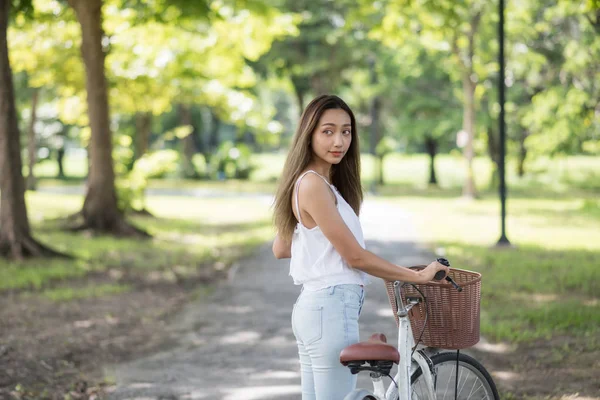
[[453, 321]]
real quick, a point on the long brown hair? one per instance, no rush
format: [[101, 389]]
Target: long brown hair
[[345, 175]]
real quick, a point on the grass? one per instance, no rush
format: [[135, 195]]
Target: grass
[[190, 234], [70, 293], [546, 285]]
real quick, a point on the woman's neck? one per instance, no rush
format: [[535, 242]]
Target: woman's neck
[[323, 170]]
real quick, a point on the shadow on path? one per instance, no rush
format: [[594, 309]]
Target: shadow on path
[[238, 343]]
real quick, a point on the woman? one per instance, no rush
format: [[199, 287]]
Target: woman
[[316, 215]]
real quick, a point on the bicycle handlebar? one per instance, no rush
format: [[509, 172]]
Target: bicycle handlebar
[[440, 274]]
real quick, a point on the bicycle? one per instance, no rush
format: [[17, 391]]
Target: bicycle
[[428, 370]]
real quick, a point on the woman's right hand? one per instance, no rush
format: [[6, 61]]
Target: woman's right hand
[[429, 272]]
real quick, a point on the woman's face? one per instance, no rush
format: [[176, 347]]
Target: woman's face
[[332, 137]]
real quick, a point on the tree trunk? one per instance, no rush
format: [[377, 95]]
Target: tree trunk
[[300, 88], [213, 142], [31, 142], [60, 155], [466, 64], [300, 100], [215, 125], [522, 153], [15, 237], [250, 139], [100, 210], [376, 135], [199, 134], [380, 163], [189, 147], [431, 145], [143, 125], [319, 85], [469, 190]]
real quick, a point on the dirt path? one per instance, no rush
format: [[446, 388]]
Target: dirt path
[[238, 344]]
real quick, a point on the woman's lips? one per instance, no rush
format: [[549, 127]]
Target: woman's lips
[[337, 153]]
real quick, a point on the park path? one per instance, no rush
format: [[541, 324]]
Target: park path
[[238, 342]]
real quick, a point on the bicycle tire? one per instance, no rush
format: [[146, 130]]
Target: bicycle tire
[[360, 394], [470, 373]]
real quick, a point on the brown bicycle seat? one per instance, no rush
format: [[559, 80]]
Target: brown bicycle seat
[[374, 349]]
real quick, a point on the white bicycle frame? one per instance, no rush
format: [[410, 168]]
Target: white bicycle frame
[[408, 363]]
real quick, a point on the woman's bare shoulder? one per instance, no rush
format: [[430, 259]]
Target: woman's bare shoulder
[[311, 183], [313, 187]]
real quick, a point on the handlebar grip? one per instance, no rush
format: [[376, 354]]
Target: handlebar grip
[[440, 274], [443, 261]]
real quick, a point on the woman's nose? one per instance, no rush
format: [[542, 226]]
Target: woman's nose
[[337, 140]]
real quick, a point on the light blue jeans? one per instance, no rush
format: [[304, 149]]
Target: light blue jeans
[[324, 322]]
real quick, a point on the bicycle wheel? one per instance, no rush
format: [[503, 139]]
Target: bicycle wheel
[[360, 394], [474, 382]]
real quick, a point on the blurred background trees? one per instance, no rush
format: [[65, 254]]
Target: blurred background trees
[[116, 92], [122, 120]]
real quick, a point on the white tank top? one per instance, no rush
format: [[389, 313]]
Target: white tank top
[[315, 263]]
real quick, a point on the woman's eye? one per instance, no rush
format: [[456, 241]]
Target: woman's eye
[[347, 132], [327, 132]]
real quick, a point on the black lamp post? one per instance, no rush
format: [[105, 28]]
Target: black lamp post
[[503, 241]]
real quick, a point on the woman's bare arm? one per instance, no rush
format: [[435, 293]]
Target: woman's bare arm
[[316, 200], [281, 249]]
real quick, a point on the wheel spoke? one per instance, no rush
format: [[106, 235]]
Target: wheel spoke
[[480, 386], [448, 383], [475, 380], [472, 380], [460, 374]]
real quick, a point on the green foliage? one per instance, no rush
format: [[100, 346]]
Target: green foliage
[[131, 185], [232, 161], [167, 11], [249, 61], [324, 48], [151, 61], [183, 62], [22, 6], [426, 105], [550, 73], [553, 67], [386, 146], [591, 207]]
